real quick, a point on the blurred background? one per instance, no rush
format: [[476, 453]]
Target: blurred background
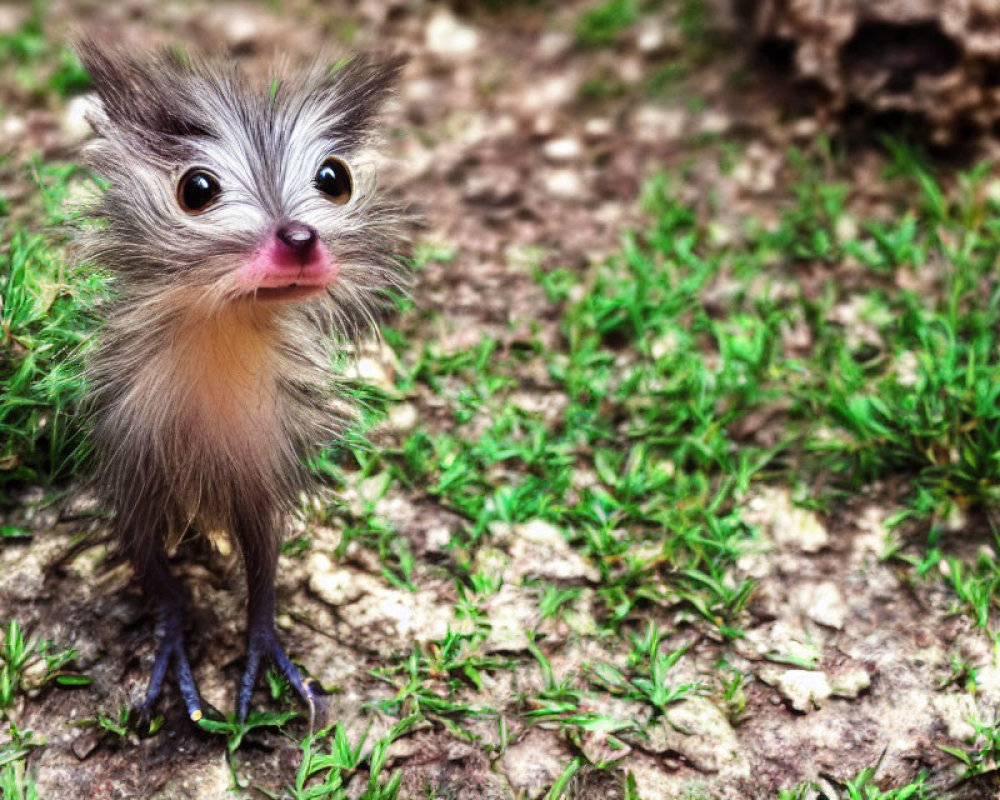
[[677, 475]]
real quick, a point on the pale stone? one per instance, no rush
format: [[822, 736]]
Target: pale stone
[[386, 615], [804, 689], [335, 585], [822, 603], [850, 683], [533, 764], [698, 730], [565, 149], [549, 93], [846, 229], [564, 183], [447, 36], [791, 527], [782, 642], [955, 711], [651, 38], [907, 369], [553, 44], [513, 613], [438, 538], [538, 548], [403, 417], [241, 30], [598, 128], [657, 124], [13, 17], [13, 127], [714, 122], [373, 371], [374, 487]]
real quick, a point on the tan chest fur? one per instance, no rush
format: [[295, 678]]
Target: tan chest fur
[[208, 399]]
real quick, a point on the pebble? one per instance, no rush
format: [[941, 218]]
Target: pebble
[[806, 128], [565, 149], [850, 683], [446, 36], [335, 585], [539, 548], [548, 94], [438, 539], [13, 127], [374, 371], [907, 369], [13, 17], [651, 39], [564, 183], [533, 764], [714, 122], [598, 128], [403, 417], [554, 44], [656, 124], [804, 689], [241, 30], [822, 603], [513, 613], [698, 730], [791, 527], [993, 191], [630, 69]]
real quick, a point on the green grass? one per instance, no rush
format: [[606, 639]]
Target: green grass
[[42, 68], [633, 430], [27, 665], [44, 322], [646, 416], [15, 782], [864, 787], [601, 24], [323, 775], [661, 370], [668, 356], [47, 311]]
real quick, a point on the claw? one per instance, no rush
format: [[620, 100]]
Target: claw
[[263, 644], [171, 650]]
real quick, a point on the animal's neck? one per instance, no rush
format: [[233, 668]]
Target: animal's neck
[[223, 366], [208, 383]]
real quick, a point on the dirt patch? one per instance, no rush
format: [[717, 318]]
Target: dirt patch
[[513, 167]]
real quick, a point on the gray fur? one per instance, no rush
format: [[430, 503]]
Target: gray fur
[[163, 461]]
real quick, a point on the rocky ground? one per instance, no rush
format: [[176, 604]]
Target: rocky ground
[[847, 661]]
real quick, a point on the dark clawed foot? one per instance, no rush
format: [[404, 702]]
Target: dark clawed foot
[[171, 649], [264, 645]]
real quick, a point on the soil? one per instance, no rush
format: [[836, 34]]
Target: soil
[[492, 144]]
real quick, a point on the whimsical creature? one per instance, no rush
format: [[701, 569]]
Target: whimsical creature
[[245, 234]]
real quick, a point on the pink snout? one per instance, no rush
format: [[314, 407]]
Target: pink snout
[[293, 262]]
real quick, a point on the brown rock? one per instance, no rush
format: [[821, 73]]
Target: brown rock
[[932, 59]]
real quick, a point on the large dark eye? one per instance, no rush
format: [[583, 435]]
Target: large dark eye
[[334, 180], [197, 190]]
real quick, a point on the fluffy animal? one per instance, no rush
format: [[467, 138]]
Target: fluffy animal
[[245, 236]]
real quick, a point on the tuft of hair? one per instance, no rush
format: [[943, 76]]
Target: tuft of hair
[[203, 403]]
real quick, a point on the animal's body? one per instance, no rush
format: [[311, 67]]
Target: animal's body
[[244, 231]]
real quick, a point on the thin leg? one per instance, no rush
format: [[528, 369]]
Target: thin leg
[[263, 644], [161, 586], [262, 639]]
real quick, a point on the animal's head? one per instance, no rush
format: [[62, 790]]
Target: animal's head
[[222, 191]]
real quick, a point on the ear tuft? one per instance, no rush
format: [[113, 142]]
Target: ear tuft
[[359, 87], [144, 96]]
